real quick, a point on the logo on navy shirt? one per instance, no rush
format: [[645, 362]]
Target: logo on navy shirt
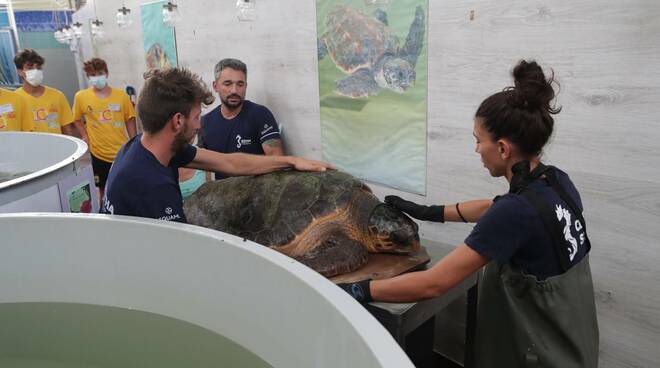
[[169, 215], [563, 214], [266, 129], [240, 142], [108, 207]]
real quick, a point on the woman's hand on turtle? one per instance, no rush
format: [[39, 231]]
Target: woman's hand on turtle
[[302, 164], [420, 212]]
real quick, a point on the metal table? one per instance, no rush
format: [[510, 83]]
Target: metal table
[[411, 324]]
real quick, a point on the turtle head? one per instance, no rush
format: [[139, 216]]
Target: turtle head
[[396, 74], [392, 231]]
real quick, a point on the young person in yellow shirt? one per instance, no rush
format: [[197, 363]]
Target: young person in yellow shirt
[[47, 108], [109, 119], [13, 116]]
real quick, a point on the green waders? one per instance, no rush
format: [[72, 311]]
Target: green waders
[[524, 322]]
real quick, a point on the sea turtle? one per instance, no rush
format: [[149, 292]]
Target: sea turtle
[[365, 47], [156, 57], [329, 221]]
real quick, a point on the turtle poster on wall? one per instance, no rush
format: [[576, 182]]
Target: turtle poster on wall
[[372, 89], [159, 38]]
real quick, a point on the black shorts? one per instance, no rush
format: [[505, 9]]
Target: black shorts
[[101, 169]]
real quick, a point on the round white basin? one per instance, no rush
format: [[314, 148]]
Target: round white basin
[[262, 301], [37, 170]]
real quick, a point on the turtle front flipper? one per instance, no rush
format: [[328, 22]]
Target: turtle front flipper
[[415, 39], [359, 84], [337, 254], [381, 16]]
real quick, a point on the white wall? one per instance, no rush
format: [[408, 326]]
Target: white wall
[[606, 54]]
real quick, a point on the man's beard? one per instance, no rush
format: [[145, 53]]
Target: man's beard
[[180, 142], [232, 106]]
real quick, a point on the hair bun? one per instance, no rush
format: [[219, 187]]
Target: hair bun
[[532, 91]]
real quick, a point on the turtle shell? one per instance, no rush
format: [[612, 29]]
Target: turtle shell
[[274, 209], [356, 40], [325, 220]]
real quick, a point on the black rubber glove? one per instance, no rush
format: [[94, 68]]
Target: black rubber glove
[[424, 213], [360, 291]]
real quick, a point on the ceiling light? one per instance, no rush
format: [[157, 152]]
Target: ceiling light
[[77, 29], [124, 18], [97, 29], [171, 14], [246, 10]]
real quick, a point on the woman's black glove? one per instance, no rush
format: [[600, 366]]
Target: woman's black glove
[[424, 213], [358, 290]]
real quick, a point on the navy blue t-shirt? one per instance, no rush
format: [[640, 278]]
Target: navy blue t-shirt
[[138, 185], [246, 132], [512, 231]]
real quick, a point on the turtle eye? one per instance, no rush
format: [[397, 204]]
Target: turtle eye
[[397, 238]]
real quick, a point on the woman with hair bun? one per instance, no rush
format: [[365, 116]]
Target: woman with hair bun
[[536, 300]]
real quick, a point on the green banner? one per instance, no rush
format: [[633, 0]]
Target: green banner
[[159, 39], [372, 89]]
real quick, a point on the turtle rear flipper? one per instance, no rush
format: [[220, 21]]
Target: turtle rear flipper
[[359, 84], [415, 40], [321, 48], [337, 254]]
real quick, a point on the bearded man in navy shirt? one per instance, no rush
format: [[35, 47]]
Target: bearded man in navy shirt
[[144, 178], [238, 125]]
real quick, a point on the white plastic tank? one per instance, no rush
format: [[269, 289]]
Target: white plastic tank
[[99, 291], [42, 172]]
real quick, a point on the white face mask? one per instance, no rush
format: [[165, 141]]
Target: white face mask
[[34, 77], [98, 82]]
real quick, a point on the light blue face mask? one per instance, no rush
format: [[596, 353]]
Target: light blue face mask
[[98, 82]]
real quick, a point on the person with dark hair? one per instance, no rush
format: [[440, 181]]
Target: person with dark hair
[[237, 124], [47, 108], [109, 119], [536, 298], [143, 180]]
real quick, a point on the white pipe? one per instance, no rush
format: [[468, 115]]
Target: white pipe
[[12, 23]]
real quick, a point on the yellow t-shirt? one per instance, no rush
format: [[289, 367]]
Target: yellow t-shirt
[[13, 116], [105, 120], [49, 112]]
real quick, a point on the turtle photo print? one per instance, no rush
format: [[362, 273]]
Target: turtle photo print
[[373, 88]]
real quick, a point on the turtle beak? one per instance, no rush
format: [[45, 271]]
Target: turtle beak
[[393, 230], [408, 84], [405, 243]]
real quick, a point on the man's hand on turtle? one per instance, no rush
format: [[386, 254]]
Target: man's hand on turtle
[[420, 212], [360, 291], [302, 164]]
